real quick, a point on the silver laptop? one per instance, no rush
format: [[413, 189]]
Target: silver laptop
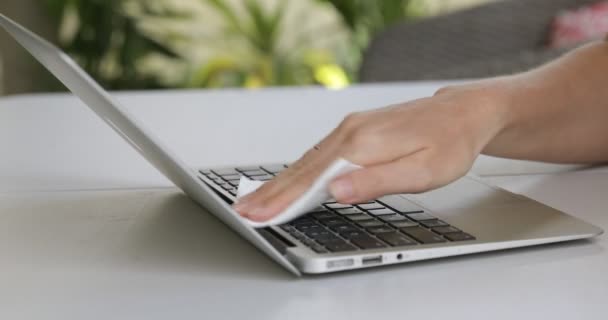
[[465, 217]]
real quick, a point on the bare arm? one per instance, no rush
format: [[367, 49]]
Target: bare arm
[[557, 113]]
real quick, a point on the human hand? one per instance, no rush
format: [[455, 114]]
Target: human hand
[[405, 148]]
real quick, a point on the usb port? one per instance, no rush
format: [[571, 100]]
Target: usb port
[[371, 260]]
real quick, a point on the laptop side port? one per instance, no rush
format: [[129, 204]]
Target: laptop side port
[[366, 261]]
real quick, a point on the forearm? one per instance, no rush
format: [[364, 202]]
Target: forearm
[[557, 113]]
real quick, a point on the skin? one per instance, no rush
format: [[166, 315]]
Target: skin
[[556, 113]]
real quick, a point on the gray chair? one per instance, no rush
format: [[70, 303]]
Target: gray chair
[[498, 38]]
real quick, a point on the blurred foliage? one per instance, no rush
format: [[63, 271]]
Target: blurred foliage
[[365, 17], [138, 44], [105, 41]]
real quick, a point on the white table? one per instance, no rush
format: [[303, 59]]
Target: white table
[[142, 250]]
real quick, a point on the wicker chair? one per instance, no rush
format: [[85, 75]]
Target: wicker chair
[[502, 37]]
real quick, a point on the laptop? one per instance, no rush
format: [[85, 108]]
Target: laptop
[[465, 217]]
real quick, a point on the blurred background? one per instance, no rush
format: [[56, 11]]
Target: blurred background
[[158, 44]]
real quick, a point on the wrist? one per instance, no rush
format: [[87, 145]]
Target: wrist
[[486, 105]]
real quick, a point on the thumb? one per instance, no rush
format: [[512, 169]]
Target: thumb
[[406, 175]]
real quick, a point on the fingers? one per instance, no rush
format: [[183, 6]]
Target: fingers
[[276, 195], [410, 174]]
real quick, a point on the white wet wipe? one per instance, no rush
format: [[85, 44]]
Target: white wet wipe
[[312, 198]]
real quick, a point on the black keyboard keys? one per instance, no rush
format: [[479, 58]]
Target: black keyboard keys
[[422, 235], [434, 223], [262, 177], [256, 172], [225, 172], [422, 216], [335, 205], [341, 228], [383, 229], [337, 227], [323, 215], [274, 169], [404, 224], [370, 223], [352, 233], [349, 211], [367, 242], [381, 212], [393, 218], [332, 222], [459, 236], [359, 217], [444, 230], [370, 206], [340, 247], [396, 239]]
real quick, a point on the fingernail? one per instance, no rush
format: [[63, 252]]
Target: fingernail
[[342, 189], [258, 212], [241, 206]]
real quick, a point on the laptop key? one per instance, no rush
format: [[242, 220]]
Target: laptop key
[[310, 228], [318, 234], [324, 238], [226, 171], [444, 230], [370, 223], [352, 233], [308, 242], [298, 235], [359, 217], [422, 235], [396, 239], [232, 177], [217, 180], [323, 215], [459, 236], [370, 206], [332, 222], [404, 224], [229, 188], [318, 248], [320, 209], [257, 172], [383, 229], [422, 216], [381, 212], [434, 223], [274, 169], [335, 205], [303, 219], [248, 168], [392, 218], [349, 211], [340, 247], [264, 177], [367, 242], [344, 228], [331, 238]]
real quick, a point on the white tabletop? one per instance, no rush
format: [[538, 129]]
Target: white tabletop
[[55, 142], [149, 252]]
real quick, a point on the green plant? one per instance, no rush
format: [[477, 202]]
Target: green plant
[[254, 52], [105, 40], [139, 44]]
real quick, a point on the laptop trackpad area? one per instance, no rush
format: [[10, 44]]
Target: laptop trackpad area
[[464, 193]]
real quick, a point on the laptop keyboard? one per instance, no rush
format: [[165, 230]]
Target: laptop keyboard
[[390, 221]]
